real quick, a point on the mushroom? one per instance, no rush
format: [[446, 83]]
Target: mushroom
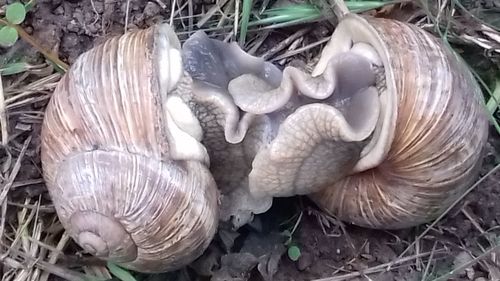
[[147, 146]]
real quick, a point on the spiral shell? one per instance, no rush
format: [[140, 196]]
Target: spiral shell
[[430, 144], [111, 161]]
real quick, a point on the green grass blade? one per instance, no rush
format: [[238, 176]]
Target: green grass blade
[[14, 68], [494, 101], [367, 5], [120, 273], [245, 18], [296, 13]]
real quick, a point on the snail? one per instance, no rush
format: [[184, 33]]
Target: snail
[[148, 145], [388, 142], [113, 159]]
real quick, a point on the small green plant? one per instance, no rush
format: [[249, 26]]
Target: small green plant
[[118, 273], [15, 14], [294, 253], [293, 250]]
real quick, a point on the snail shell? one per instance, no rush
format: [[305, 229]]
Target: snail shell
[[432, 148], [122, 160], [434, 140], [386, 132]]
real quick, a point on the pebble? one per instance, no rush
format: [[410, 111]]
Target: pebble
[[304, 261], [70, 40], [59, 10], [99, 7], [151, 9]]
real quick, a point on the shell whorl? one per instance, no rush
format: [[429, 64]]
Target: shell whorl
[[107, 157], [440, 129]]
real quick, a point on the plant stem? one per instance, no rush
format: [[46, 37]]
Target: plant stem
[[494, 101], [28, 38], [340, 8]]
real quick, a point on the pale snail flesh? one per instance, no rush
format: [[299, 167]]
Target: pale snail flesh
[[205, 132]]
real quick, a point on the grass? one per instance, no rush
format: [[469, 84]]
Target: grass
[[32, 243]]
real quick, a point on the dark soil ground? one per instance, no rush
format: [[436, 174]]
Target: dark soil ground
[[328, 249]]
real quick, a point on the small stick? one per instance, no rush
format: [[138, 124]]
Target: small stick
[[127, 11], [300, 50], [283, 44], [54, 255], [236, 17], [190, 19], [340, 8], [24, 35], [472, 220], [172, 13], [468, 264], [3, 116], [429, 262], [5, 187], [161, 4], [210, 13], [377, 268]]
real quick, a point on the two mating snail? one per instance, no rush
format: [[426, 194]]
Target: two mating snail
[[147, 145]]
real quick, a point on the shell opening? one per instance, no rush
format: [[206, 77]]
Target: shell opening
[[169, 63], [356, 34]]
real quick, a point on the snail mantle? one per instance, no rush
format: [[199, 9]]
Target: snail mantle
[[148, 145]]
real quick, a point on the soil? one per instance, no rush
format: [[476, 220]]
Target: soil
[[71, 27]]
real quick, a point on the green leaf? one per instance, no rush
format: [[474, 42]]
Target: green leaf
[[294, 253], [8, 36], [120, 273], [14, 68], [15, 13]]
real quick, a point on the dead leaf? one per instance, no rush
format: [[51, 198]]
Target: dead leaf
[[269, 263], [235, 267]]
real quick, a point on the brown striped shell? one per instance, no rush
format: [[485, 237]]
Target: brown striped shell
[[121, 185], [427, 150]]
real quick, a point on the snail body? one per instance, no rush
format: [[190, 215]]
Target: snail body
[[147, 145]]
